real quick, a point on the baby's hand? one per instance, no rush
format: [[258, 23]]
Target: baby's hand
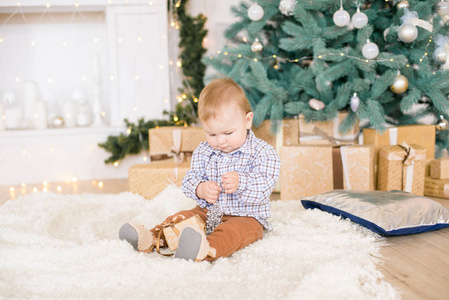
[[209, 191], [230, 182]]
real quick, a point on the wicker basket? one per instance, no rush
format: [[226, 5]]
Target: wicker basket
[[390, 175], [436, 187], [150, 179]]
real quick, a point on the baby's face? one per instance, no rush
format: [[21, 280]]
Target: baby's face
[[227, 132]]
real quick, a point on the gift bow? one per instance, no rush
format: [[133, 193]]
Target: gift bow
[[408, 164], [175, 150], [410, 154], [333, 140]]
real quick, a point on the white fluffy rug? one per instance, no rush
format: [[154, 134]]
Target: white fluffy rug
[[66, 246]]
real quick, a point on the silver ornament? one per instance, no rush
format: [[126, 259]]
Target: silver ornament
[[286, 7], [443, 8], [316, 104], [370, 50], [408, 33], [402, 5], [213, 218], [443, 124], [255, 12], [341, 17], [359, 19], [355, 102], [440, 55], [256, 46]]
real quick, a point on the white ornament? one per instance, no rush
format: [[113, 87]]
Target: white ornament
[[443, 8], [341, 17], [370, 50], [255, 12], [407, 33], [402, 5], [256, 46], [440, 55], [359, 19], [316, 104], [286, 7], [355, 101]]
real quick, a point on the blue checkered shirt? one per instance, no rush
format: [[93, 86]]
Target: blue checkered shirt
[[257, 164]]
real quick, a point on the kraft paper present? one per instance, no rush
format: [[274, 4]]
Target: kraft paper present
[[172, 231], [287, 134], [439, 168], [436, 187], [150, 179], [402, 168], [316, 133], [174, 141], [422, 135], [308, 170]]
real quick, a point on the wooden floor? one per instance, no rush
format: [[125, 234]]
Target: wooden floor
[[417, 265]]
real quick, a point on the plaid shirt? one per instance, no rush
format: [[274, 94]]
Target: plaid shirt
[[257, 164]]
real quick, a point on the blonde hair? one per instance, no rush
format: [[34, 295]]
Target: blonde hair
[[219, 94]]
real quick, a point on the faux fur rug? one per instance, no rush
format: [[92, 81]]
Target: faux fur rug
[[66, 246]]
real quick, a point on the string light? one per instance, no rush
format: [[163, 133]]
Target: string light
[[100, 183], [116, 164]]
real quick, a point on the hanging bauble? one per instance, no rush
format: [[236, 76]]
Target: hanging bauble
[[442, 124], [443, 8], [256, 46], [399, 85], [408, 33], [255, 12], [359, 19], [440, 55], [316, 104], [57, 122], [370, 50], [286, 7], [445, 19], [355, 102], [341, 17], [402, 5]]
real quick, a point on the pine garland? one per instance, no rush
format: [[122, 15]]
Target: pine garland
[[192, 33]]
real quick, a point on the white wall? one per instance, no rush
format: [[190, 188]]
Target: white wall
[[60, 61]]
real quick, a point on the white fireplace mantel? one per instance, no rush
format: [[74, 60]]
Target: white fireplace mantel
[[134, 84]]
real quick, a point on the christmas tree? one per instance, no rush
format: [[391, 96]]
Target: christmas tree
[[383, 61]]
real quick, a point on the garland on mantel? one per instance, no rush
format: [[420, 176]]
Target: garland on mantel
[[135, 140]]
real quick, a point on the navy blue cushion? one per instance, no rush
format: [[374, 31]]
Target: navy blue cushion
[[386, 213]]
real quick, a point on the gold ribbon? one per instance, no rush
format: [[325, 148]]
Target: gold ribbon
[[334, 141], [175, 150]]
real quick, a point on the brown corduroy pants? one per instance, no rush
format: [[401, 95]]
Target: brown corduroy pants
[[233, 234]]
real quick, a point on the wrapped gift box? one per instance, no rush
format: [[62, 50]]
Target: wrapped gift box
[[172, 231], [314, 133], [287, 134], [150, 179], [308, 170], [169, 140], [436, 187], [397, 172], [439, 168], [422, 135]]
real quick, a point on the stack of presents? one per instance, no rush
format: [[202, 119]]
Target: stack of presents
[[315, 158]]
